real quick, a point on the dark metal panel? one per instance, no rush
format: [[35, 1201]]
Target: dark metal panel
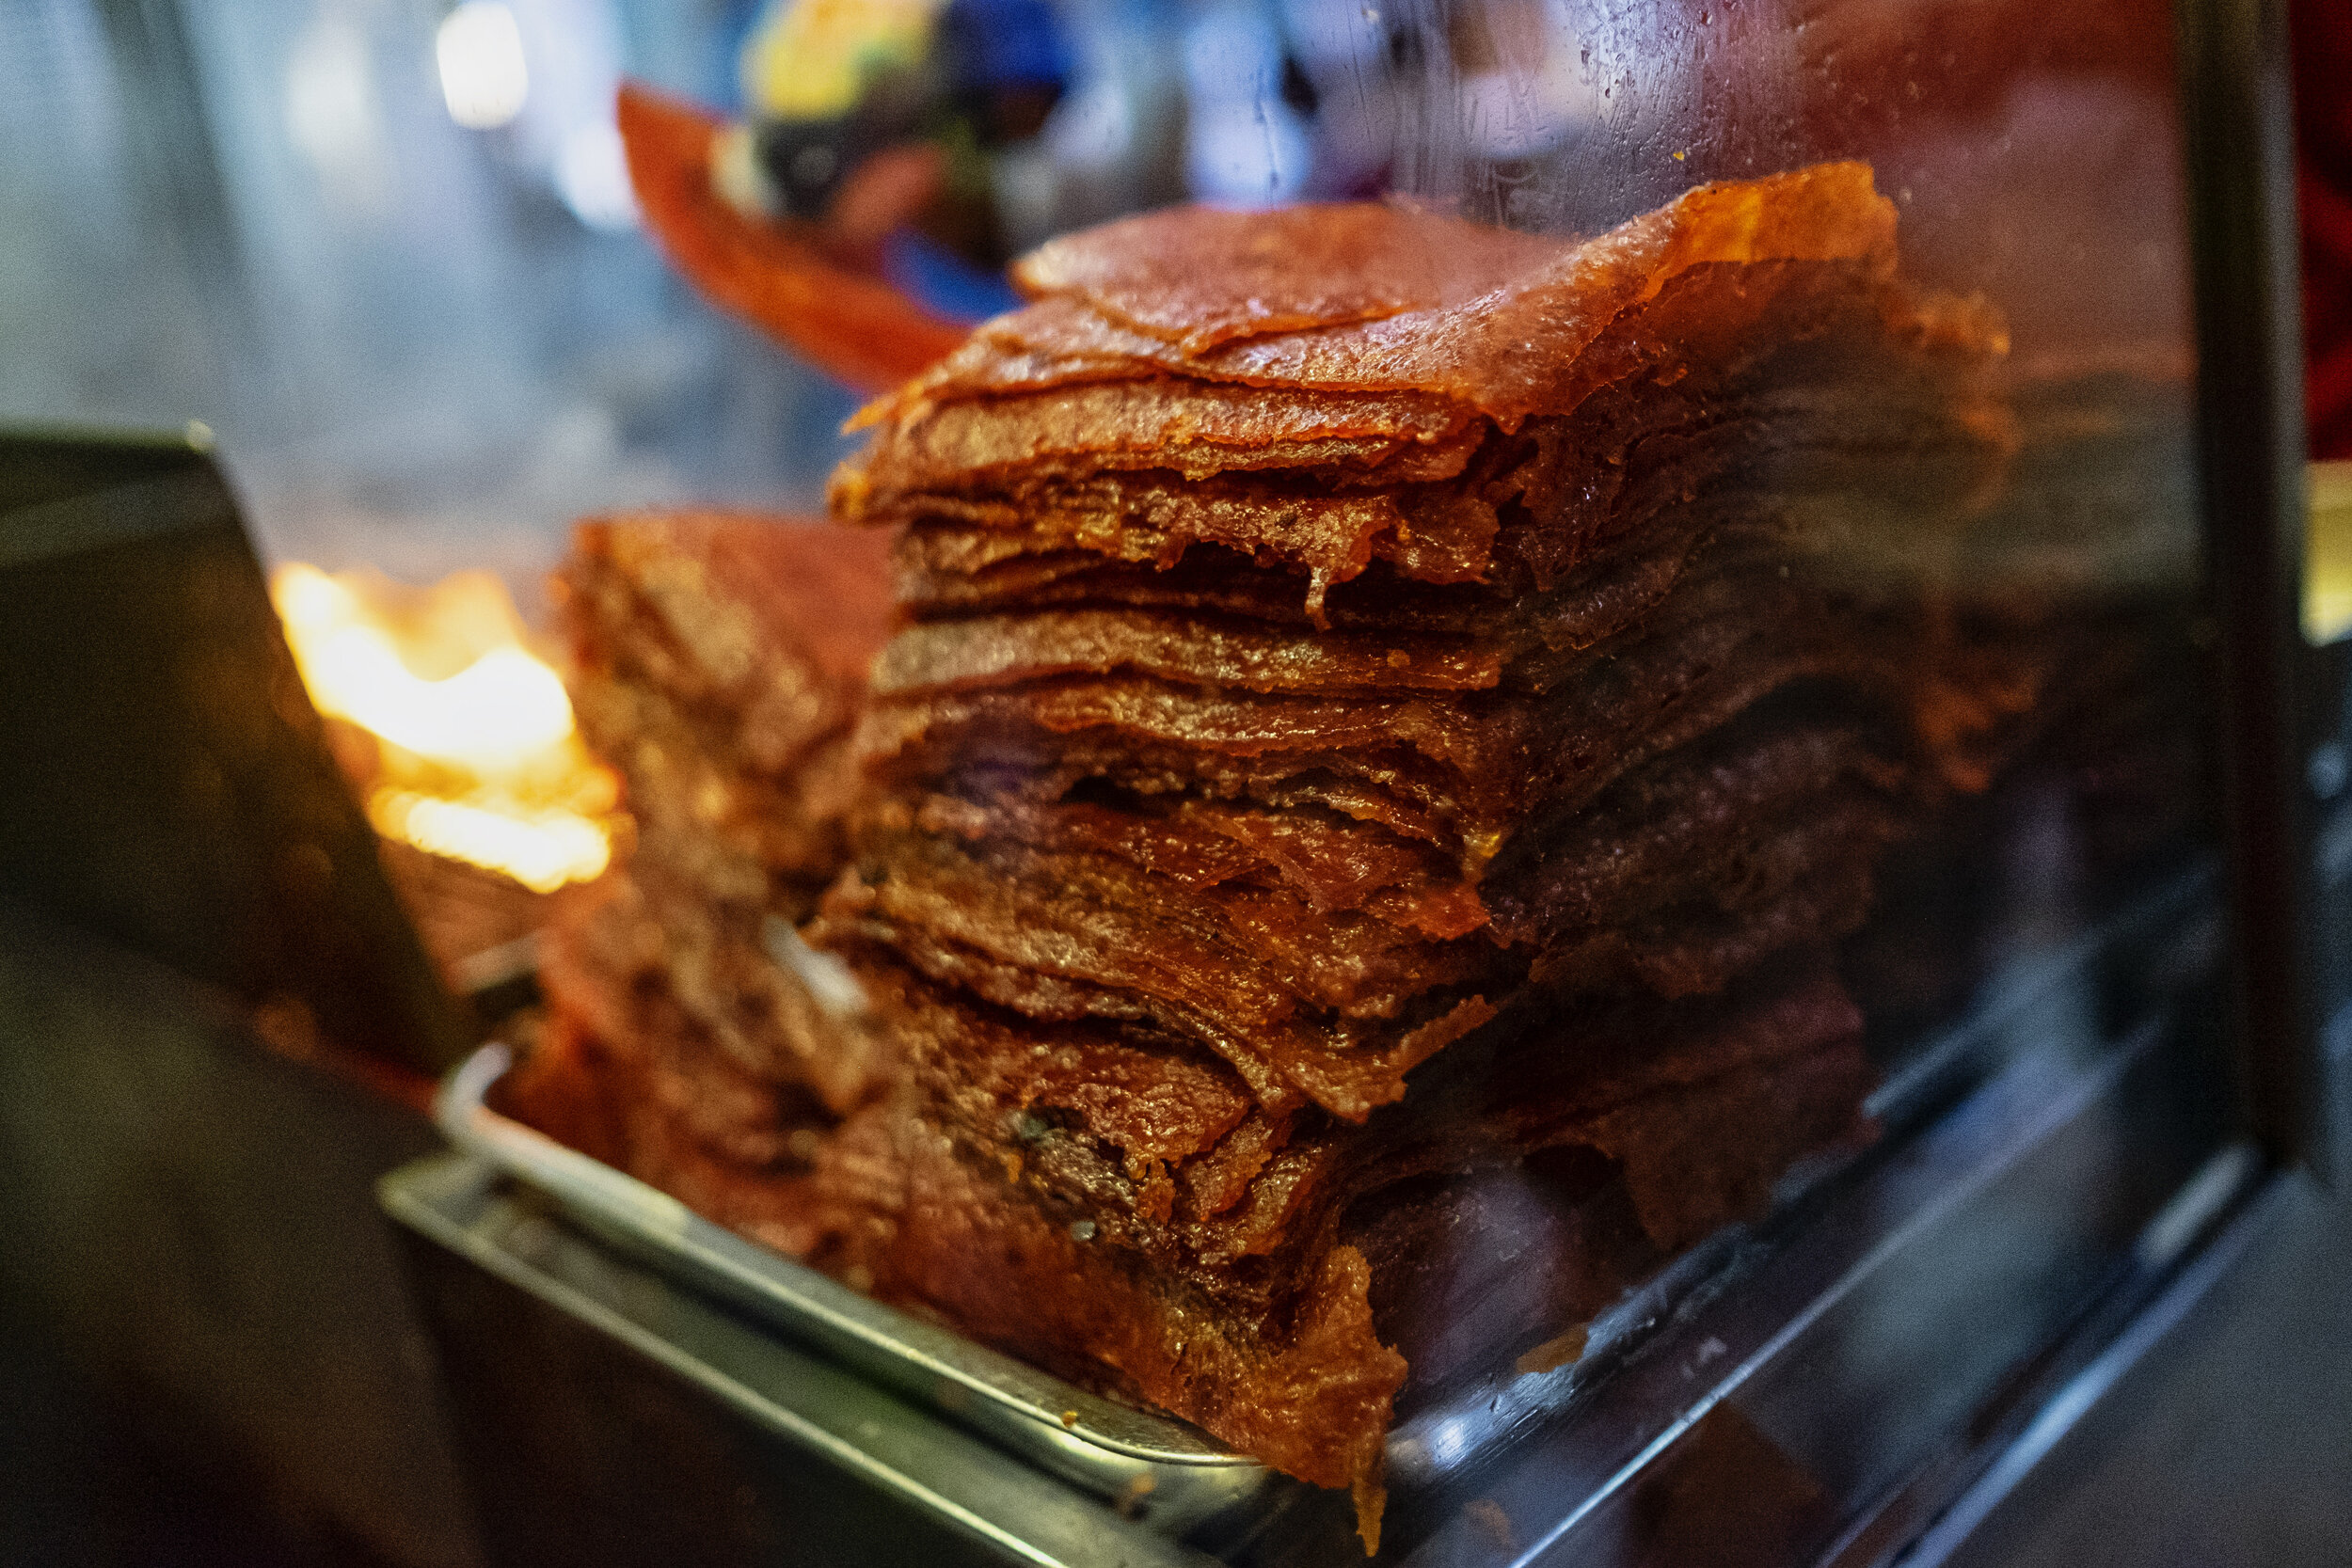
[[191, 1227], [166, 784], [2213, 1429], [2236, 108]]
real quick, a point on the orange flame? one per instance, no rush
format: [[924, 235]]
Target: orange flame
[[479, 760]]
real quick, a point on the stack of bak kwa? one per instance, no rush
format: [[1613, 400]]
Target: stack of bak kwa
[[719, 665], [1387, 721]]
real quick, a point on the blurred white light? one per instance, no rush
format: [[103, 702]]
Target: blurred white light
[[1246, 154], [592, 177], [1244, 147], [479, 51], [331, 114], [1092, 129]]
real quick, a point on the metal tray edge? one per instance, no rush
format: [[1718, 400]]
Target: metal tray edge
[[964, 1380]]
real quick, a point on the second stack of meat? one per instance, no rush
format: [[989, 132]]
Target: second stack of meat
[[718, 663], [1345, 644]]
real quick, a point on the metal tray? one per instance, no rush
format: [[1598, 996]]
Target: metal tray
[[1107, 1448], [2022, 1082]]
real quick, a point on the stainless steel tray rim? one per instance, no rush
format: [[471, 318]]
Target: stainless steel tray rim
[[918, 1356]]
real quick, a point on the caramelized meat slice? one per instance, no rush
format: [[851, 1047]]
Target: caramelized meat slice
[[594, 969], [1197, 278], [1473, 765], [715, 964], [1691, 1110], [1844, 443], [1330, 1008], [1736, 241], [1003, 650], [760, 626], [1335, 863], [718, 663], [1197, 429], [749, 836], [1704, 811], [1149, 519]]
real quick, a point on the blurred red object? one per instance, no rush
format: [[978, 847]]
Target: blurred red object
[[852, 325], [2323, 156]]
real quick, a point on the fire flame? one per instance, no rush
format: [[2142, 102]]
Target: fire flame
[[478, 759]]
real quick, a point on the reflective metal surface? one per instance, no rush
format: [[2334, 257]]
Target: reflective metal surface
[[1099, 1445], [166, 785], [832, 1468], [1870, 1347]]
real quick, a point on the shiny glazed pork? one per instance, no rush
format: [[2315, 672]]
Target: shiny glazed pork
[[1384, 722]]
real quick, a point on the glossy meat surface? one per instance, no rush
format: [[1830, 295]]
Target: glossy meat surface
[[1321, 659], [1345, 840], [1497, 325]]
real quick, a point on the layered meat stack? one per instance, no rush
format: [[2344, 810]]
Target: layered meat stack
[[1387, 721], [718, 664], [1384, 698]]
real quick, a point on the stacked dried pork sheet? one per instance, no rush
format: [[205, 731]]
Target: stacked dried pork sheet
[[1387, 720], [1388, 701], [718, 663]]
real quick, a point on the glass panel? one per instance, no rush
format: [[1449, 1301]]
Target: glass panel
[[1427, 761], [1516, 816]]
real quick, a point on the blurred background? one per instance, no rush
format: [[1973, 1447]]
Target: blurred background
[[387, 250]]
